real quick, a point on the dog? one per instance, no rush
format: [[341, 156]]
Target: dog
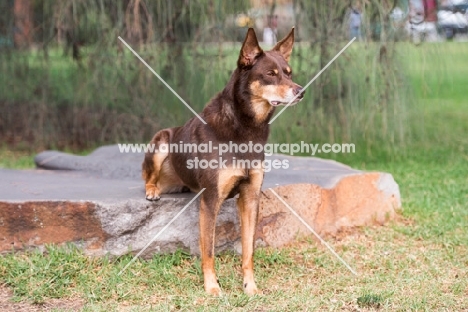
[[238, 114]]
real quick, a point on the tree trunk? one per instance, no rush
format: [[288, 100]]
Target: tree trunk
[[23, 23]]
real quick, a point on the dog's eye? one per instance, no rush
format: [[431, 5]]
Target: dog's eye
[[271, 73]]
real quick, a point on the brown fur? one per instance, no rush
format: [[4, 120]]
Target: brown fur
[[240, 113]]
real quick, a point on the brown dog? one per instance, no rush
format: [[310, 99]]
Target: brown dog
[[237, 115]]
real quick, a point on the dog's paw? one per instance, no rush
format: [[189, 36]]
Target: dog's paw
[[214, 291], [152, 192], [212, 288], [153, 197], [251, 289]]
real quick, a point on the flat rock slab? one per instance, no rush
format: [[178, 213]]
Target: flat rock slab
[[97, 202]]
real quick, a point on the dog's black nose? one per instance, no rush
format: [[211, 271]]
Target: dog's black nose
[[298, 89]]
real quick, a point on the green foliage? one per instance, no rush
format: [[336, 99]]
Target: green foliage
[[54, 101], [355, 101], [370, 301]]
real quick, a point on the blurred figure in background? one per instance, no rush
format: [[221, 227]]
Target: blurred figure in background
[[355, 22], [270, 33]]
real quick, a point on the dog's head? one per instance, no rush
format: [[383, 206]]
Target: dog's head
[[268, 73]]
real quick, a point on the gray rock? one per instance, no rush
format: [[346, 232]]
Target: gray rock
[[97, 201]]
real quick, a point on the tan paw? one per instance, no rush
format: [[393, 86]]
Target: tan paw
[[214, 291], [152, 192], [251, 289], [212, 288]]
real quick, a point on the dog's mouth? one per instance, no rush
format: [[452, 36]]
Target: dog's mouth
[[278, 103]]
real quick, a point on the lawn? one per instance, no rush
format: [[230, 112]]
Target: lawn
[[418, 262]]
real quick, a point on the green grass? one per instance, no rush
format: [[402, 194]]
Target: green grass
[[22, 158], [419, 262], [15, 159], [395, 272]]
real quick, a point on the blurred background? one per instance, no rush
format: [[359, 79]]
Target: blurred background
[[67, 82]]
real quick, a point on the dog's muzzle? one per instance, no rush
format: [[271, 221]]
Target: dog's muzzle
[[299, 90]]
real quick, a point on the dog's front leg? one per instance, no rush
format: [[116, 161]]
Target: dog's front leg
[[209, 207], [248, 205]]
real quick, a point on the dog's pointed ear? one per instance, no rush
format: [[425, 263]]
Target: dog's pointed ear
[[250, 50], [285, 46]]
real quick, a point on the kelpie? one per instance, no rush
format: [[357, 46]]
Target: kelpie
[[237, 115]]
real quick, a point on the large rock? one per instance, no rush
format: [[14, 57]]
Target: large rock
[[97, 201]]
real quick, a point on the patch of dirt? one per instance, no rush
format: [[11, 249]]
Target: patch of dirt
[[7, 305]]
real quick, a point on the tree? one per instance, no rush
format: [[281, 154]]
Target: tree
[[23, 31]]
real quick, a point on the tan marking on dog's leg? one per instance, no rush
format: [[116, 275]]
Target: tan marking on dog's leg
[[208, 211], [209, 208], [152, 190], [248, 205], [152, 164]]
